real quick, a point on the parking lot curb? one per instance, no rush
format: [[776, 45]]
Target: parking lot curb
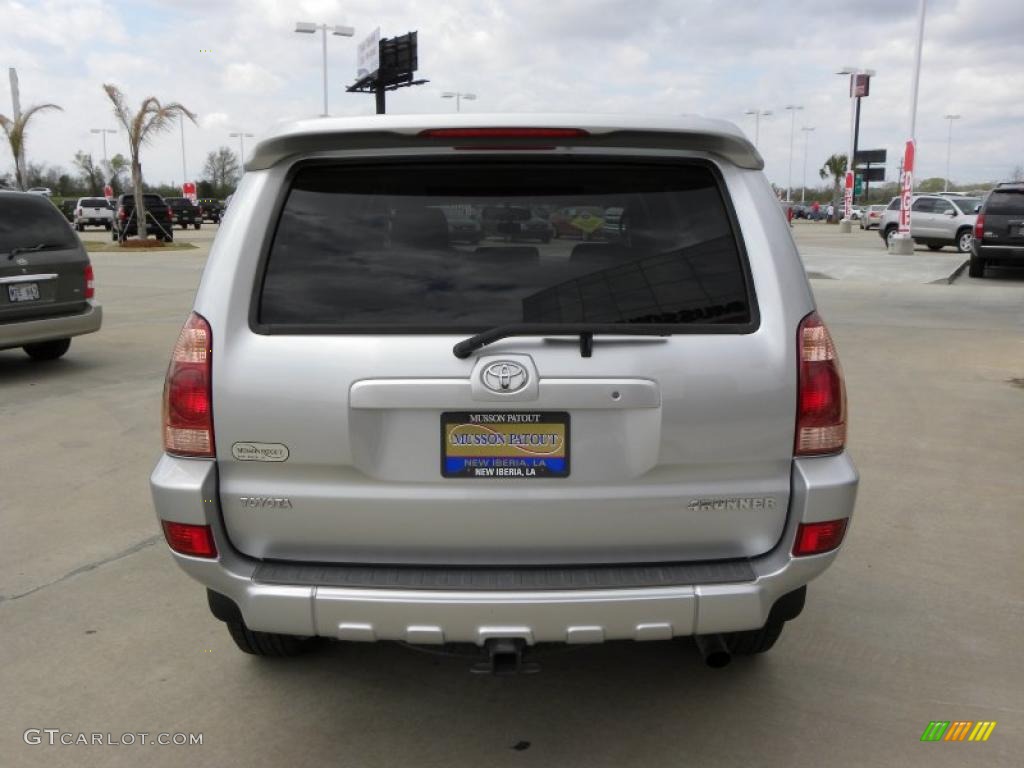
[[953, 276]]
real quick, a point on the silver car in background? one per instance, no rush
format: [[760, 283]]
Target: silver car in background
[[935, 221], [372, 432]]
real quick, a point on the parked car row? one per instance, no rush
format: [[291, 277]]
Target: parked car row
[[935, 221]]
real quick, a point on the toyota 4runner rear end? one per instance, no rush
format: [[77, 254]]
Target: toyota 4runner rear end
[[373, 431]]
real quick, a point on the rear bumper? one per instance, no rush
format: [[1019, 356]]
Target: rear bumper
[[1007, 253], [17, 334], [185, 490]]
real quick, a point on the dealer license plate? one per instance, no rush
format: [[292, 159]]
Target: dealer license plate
[[504, 444]]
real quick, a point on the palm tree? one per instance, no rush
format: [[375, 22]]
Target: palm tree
[[15, 130], [152, 118], [835, 167]]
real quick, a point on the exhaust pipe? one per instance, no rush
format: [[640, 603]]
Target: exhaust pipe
[[713, 650]]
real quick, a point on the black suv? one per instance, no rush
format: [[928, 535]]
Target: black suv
[[158, 218], [210, 209], [183, 212], [999, 229]]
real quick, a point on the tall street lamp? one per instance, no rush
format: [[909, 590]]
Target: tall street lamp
[[949, 147], [458, 98], [184, 169], [758, 114], [793, 109], [309, 28], [807, 132], [241, 136], [103, 132]]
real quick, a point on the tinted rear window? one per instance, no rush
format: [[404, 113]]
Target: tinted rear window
[[94, 202], [395, 248], [30, 221], [1005, 203]]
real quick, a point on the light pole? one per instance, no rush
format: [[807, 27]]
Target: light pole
[[103, 132], [758, 114], [949, 147], [458, 98], [309, 28], [903, 243], [807, 132], [793, 109], [241, 136], [854, 74], [184, 170]]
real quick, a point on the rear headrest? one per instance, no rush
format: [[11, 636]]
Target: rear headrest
[[420, 227], [596, 252], [517, 254]]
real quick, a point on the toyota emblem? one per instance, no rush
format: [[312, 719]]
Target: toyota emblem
[[505, 376]]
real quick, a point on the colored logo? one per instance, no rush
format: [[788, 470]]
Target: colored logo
[[958, 730], [505, 376]]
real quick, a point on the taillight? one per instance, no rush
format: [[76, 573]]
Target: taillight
[[78, 212], [188, 397], [90, 285], [170, 214], [821, 394], [816, 538], [121, 213], [979, 227], [193, 540]]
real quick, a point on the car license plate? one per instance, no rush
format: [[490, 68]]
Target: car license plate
[[505, 444], [23, 292]]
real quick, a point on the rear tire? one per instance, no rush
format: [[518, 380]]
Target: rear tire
[[267, 643], [976, 268], [890, 233], [47, 350], [964, 238], [934, 246], [198, 225]]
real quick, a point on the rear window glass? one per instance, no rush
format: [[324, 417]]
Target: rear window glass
[[94, 202], [468, 246], [26, 222], [1006, 202]]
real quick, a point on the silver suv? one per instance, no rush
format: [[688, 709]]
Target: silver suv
[[935, 221], [372, 432]]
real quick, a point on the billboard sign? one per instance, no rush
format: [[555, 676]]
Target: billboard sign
[[870, 156], [368, 55], [907, 190]]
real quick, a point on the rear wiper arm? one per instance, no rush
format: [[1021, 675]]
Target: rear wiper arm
[[585, 331], [27, 249]]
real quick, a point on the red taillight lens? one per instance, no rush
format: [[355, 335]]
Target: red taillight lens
[[121, 213], [979, 227], [504, 133], [816, 538], [193, 540], [90, 285], [170, 214], [821, 394], [188, 398]]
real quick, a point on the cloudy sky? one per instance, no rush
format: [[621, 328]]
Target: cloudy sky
[[240, 66]]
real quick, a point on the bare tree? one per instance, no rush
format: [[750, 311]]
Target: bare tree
[[152, 119], [114, 170], [221, 170], [91, 173], [1017, 174], [15, 130]]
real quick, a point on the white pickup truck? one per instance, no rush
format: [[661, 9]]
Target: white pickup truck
[[93, 212]]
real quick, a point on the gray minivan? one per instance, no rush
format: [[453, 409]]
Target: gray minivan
[[46, 279], [372, 432]]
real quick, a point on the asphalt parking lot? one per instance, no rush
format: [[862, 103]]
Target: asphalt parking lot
[[920, 619]]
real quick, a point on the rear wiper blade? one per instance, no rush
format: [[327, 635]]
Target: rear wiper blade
[[30, 248], [585, 331]]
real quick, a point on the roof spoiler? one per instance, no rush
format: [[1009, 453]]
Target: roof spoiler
[[404, 132]]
